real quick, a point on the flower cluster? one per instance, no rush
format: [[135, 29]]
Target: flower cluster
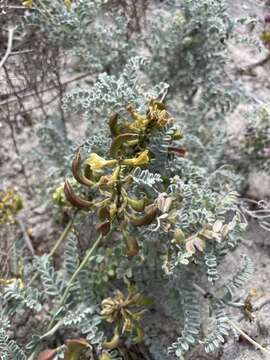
[[109, 180], [30, 3], [10, 204], [125, 313]]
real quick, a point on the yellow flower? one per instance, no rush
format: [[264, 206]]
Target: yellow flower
[[97, 162], [58, 196], [139, 122], [7, 282], [10, 204], [28, 3], [142, 159], [67, 4], [157, 113]]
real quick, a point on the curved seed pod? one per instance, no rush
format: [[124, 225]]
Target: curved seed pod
[[132, 246], [104, 227], [75, 200], [76, 171], [137, 204], [147, 219], [113, 343], [113, 125], [119, 141], [104, 213], [48, 354]]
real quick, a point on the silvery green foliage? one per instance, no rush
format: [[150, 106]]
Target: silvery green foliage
[[187, 49], [51, 282], [190, 48], [52, 155], [190, 52], [254, 146], [239, 279], [80, 313], [9, 349], [91, 31], [16, 297], [110, 94]]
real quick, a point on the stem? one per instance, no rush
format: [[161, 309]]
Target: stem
[[84, 262], [76, 273], [9, 46], [62, 237], [81, 266], [253, 342], [50, 88], [27, 239]]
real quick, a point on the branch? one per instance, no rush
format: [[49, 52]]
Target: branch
[[9, 46], [31, 93], [248, 338], [25, 236]]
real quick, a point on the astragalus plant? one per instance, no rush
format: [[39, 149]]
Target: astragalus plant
[[162, 231], [161, 218]]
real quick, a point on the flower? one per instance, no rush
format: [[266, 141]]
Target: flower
[[139, 123], [195, 243], [10, 204], [67, 4], [142, 159], [58, 196], [97, 162], [28, 3], [125, 313], [157, 113]]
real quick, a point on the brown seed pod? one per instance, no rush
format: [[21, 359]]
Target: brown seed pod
[[113, 125], [132, 246], [147, 219], [76, 171], [104, 227], [113, 343], [104, 213], [75, 200], [137, 204]]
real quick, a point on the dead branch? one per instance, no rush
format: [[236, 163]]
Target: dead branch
[[9, 46], [31, 93]]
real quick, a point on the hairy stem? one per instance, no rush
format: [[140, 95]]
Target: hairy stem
[[62, 237], [84, 262], [80, 267], [253, 342], [74, 276]]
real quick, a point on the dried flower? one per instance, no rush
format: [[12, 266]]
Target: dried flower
[[195, 243], [126, 313]]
